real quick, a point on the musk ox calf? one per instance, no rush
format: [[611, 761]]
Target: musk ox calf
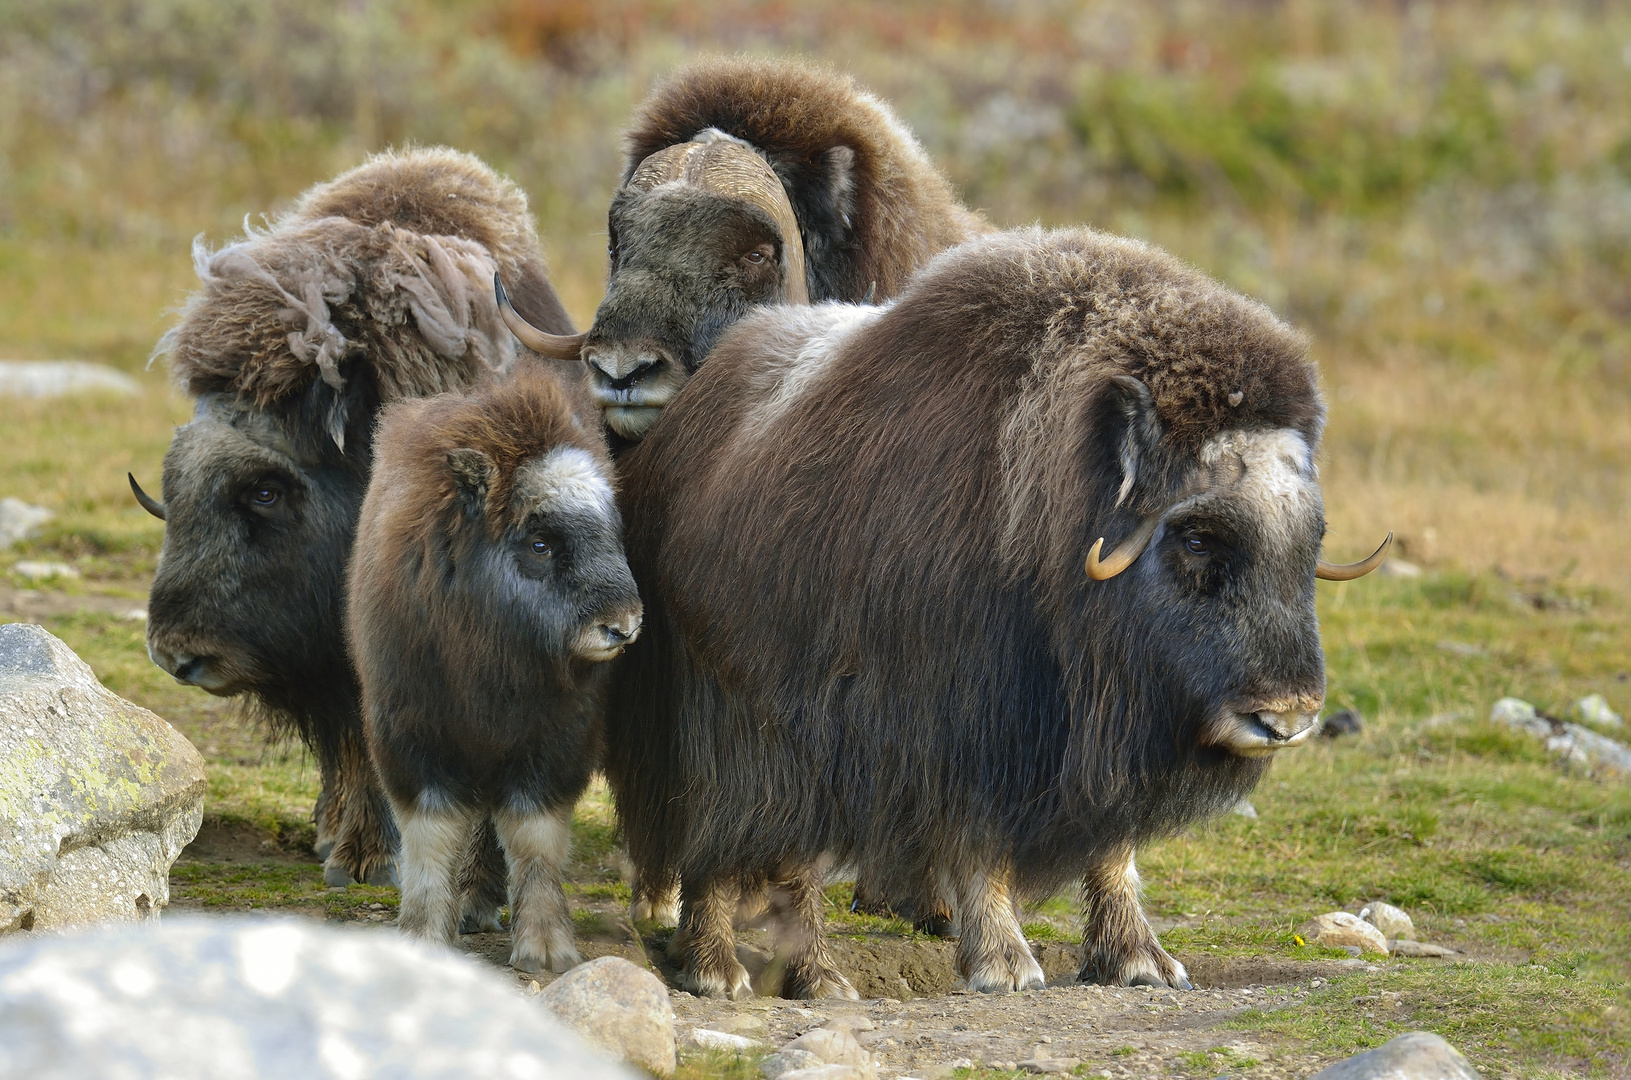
[[881, 626], [487, 588], [375, 286], [749, 182]]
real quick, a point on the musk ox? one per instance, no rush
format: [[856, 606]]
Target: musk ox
[[374, 286], [749, 182], [487, 588], [861, 535]]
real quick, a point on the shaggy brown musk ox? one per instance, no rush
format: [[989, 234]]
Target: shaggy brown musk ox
[[879, 629], [374, 286], [487, 588], [750, 182]]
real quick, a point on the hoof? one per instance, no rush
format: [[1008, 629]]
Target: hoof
[[663, 913], [558, 962], [1150, 965], [829, 984], [486, 922], [1007, 975], [382, 876], [336, 876], [731, 983]]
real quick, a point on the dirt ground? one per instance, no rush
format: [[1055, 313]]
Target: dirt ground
[[921, 1024]]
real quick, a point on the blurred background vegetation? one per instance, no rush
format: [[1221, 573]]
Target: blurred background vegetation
[[1440, 193]]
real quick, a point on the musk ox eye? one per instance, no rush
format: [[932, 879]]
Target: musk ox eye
[[264, 496], [541, 548], [1195, 545]]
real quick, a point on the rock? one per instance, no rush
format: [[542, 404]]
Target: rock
[[708, 1039], [97, 796], [827, 1072], [836, 1046], [851, 1022], [1406, 947], [258, 999], [619, 1006], [1572, 743], [1418, 1055], [1339, 929], [1399, 568], [1049, 1065], [43, 571], [1391, 921], [1342, 722], [19, 520], [1593, 709], [749, 1024], [783, 1062], [1245, 809], [54, 378]]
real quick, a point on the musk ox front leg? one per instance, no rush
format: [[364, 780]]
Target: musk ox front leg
[[656, 900], [364, 848], [796, 903], [705, 943], [435, 835], [992, 955], [1118, 946], [536, 844]]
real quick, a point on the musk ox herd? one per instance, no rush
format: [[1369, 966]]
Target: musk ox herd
[[853, 533]]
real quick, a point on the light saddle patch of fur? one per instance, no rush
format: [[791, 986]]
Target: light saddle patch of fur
[[787, 376], [567, 478]]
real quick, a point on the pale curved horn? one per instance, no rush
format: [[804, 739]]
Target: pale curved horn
[[148, 503], [1348, 571], [724, 165], [558, 346], [1125, 555]]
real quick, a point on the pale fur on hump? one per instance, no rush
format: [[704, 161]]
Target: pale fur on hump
[[386, 270]]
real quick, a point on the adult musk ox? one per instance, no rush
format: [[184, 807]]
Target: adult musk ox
[[487, 588], [749, 182], [374, 286], [881, 626]]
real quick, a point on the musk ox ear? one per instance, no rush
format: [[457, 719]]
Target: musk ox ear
[[838, 169], [1141, 432], [473, 473]]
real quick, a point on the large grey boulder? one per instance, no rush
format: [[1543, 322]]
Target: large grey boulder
[[619, 1007], [1416, 1055], [97, 796], [240, 998], [1572, 743]]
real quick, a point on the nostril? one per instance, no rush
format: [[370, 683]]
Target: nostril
[[623, 630], [620, 370]]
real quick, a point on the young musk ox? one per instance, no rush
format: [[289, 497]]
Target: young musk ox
[[487, 588], [374, 286], [861, 535], [750, 182]]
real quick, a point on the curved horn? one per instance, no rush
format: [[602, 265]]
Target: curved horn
[[1125, 555], [1348, 571], [148, 503], [719, 163], [558, 346]]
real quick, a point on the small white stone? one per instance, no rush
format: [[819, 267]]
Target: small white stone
[[709, 1039], [54, 378], [43, 571], [1391, 921], [19, 520], [1593, 709]]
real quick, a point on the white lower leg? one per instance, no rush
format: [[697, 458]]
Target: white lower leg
[[991, 953], [434, 836], [536, 845]]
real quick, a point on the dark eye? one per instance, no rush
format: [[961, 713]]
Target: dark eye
[[541, 548], [264, 496], [755, 257], [1195, 544]]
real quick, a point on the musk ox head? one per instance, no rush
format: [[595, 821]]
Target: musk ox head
[[491, 525], [699, 234]]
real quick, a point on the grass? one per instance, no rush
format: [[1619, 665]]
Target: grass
[[1439, 194]]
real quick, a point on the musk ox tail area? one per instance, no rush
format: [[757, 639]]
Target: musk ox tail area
[[871, 206]]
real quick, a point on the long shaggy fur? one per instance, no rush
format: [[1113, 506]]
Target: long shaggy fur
[[860, 536], [871, 206], [388, 266]]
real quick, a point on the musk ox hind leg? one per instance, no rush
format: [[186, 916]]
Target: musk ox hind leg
[[483, 882], [435, 835], [364, 849], [655, 900], [992, 955], [705, 943], [796, 903], [536, 845], [1118, 946]]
